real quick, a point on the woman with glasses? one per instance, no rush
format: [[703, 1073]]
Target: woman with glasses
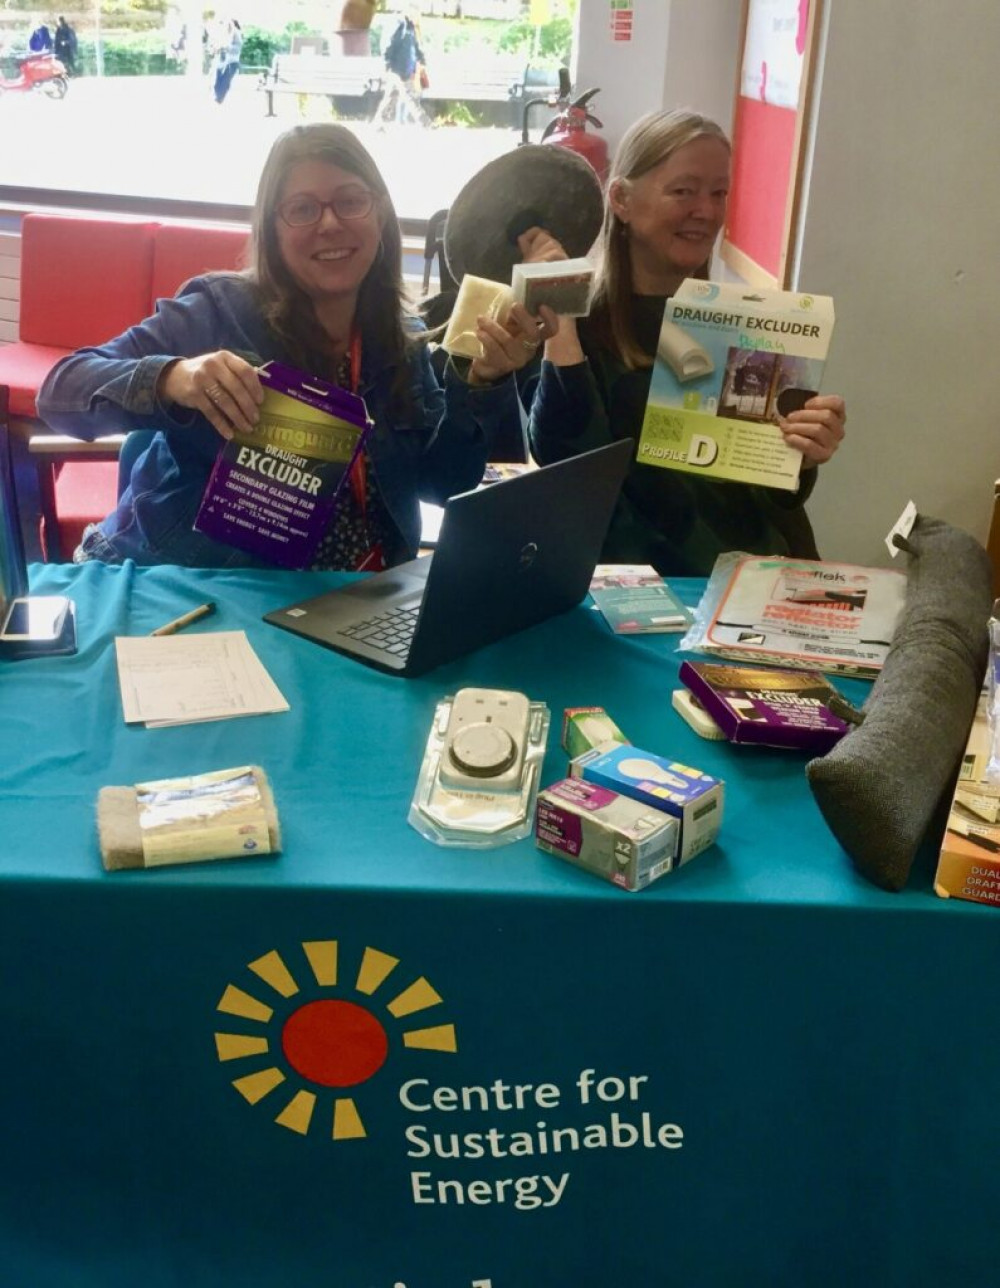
[[323, 293], [664, 208]]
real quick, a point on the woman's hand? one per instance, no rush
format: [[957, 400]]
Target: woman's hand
[[510, 345], [223, 387], [539, 247], [817, 429]]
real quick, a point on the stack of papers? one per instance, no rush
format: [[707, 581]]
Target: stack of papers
[[181, 679]]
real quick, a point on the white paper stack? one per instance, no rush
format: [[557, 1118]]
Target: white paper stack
[[181, 679]]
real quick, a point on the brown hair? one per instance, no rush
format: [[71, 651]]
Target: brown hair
[[644, 145], [381, 307]]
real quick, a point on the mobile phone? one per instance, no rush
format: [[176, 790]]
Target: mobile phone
[[36, 618], [37, 625]]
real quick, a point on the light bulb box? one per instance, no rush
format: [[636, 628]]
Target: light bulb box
[[614, 837], [696, 799], [587, 727]]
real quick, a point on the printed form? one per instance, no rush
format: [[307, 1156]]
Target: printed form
[[181, 679]]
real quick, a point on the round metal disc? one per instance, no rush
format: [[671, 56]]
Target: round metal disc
[[537, 183]]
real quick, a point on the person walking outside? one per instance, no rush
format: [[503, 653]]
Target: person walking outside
[[66, 46], [227, 59], [407, 68]]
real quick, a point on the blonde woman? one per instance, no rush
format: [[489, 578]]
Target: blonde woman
[[665, 206]]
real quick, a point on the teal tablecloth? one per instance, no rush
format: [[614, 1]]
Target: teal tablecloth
[[761, 1071]]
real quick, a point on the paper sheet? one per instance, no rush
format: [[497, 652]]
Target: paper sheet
[[182, 679]]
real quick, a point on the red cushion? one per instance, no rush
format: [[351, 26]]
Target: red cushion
[[84, 279], [187, 250], [86, 491], [23, 367]]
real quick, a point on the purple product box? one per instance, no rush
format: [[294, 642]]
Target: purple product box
[[688, 794], [612, 836], [769, 707], [273, 493]]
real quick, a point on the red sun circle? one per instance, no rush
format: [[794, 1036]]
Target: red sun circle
[[336, 1044]]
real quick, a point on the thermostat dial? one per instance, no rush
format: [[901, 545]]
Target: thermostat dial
[[482, 750]]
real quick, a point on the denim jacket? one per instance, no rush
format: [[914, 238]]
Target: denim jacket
[[440, 451]]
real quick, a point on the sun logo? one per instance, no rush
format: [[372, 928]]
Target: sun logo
[[329, 1042]]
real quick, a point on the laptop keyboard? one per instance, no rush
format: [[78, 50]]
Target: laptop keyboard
[[391, 631]]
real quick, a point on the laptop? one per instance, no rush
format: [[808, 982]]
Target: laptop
[[508, 556]]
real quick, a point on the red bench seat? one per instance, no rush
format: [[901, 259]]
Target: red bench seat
[[84, 280]]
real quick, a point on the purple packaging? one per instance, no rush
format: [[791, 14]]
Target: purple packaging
[[617, 838], [768, 707], [274, 492]]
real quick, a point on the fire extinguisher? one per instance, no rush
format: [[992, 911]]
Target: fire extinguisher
[[569, 128]]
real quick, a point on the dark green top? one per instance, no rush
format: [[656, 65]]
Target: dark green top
[[677, 522]]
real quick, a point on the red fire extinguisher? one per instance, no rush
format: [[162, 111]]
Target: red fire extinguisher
[[569, 128]]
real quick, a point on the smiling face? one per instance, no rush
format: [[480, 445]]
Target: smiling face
[[674, 213], [330, 258]]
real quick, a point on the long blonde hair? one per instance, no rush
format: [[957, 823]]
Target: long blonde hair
[[381, 307], [644, 145]]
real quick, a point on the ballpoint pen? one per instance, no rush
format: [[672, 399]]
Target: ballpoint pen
[[186, 619]]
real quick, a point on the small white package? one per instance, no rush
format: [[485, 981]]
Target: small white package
[[565, 286], [479, 775]]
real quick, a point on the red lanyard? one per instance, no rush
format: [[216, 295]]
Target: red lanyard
[[359, 471], [374, 560]]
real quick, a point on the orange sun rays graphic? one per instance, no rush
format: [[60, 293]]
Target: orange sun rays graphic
[[326, 1043]]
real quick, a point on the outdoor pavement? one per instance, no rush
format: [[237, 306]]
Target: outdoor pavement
[[166, 137]]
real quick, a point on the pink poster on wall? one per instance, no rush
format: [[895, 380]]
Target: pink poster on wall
[[767, 134]]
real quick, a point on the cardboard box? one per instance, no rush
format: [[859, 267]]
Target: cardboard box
[[730, 360], [969, 861], [587, 727], [767, 707], [694, 798], [629, 844], [564, 285]]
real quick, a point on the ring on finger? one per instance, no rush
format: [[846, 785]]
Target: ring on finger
[[530, 345], [213, 391]]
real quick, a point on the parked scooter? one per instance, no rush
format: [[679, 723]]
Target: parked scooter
[[43, 72]]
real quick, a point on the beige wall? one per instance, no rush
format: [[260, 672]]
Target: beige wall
[[902, 228], [682, 54]]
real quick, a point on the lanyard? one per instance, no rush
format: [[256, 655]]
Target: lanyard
[[374, 560], [359, 471]]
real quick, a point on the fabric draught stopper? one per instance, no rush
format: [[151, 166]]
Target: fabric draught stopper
[[879, 787]]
